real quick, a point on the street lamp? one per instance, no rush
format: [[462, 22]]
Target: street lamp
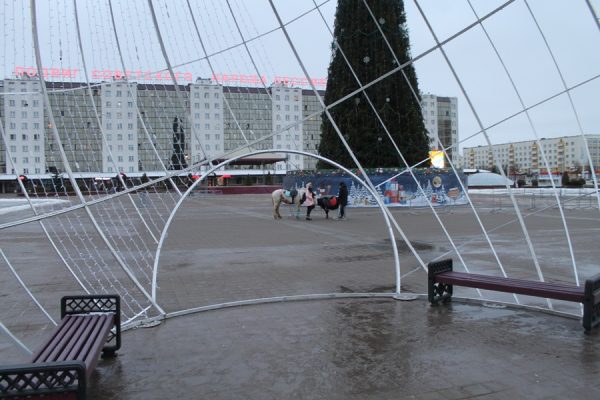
[[379, 139]]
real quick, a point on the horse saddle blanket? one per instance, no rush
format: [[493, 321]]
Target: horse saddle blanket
[[329, 202], [290, 193]]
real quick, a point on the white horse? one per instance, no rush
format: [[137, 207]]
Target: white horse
[[288, 197]]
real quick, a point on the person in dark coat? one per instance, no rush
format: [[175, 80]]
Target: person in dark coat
[[343, 200], [311, 200]]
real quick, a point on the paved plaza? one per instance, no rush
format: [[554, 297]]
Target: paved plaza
[[224, 249]]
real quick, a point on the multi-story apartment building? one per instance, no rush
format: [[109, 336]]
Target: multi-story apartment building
[[311, 132], [440, 115], [287, 125], [207, 138], [122, 126], [565, 153], [23, 114], [119, 127], [128, 127]]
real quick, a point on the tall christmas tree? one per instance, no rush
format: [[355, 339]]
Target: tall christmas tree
[[359, 37]]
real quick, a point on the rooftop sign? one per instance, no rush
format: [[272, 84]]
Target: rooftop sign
[[141, 75]]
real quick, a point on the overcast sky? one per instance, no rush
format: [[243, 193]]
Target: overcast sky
[[567, 25]]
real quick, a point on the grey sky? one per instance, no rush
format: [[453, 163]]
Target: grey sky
[[567, 25]]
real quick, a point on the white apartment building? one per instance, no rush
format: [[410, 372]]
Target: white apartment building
[[24, 127], [221, 119], [206, 114], [565, 153], [440, 115], [286, 111], [119, 126]]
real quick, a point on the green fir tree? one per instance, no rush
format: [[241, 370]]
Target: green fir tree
[[357, 34]]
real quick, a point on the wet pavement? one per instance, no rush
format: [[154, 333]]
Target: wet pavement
[[228, 248], [355, 349]]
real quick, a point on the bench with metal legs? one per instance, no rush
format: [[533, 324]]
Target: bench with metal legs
[[442, 278], [90, 325]]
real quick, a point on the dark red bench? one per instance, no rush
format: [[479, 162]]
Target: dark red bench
[[89, 325], [442, 279]]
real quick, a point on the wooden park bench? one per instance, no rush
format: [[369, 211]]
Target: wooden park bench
[[60, 368], [442, 279]]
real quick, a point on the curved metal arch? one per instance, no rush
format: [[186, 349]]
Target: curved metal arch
[[303, 153]]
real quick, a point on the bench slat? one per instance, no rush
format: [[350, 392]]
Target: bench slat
[[96, 342], [558, 291]]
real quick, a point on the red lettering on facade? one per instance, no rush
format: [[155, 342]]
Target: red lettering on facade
[[117, 74]]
